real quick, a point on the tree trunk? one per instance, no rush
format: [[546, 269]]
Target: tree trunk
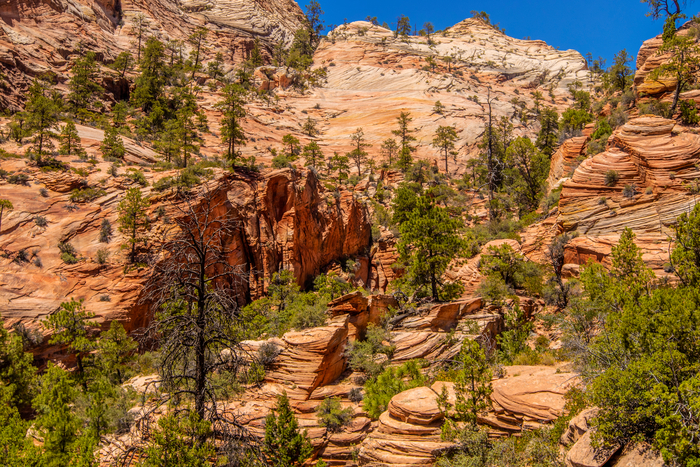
[[676, 94]]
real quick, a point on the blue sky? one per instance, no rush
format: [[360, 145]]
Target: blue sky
[[601, 27]]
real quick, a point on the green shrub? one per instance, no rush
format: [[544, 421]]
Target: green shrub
[[280, 162], [137, 176], [365, 354], [102, 256], [41, 221], [611, 177], [513, 340], [629, 191], [689, 113], [105, 231], [86, 194], [18, 179], [392, 381], [332, 415], [68, 253]]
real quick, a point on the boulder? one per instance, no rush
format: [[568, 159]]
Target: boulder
[[417, 406], [583, 454]]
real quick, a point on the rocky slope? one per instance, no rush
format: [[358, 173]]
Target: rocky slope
[[45, 36], [373, 76], [285, 220], [311, 365]]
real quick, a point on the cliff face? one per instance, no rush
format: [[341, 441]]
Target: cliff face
[[373, 76], [285, 221], [44, 36]]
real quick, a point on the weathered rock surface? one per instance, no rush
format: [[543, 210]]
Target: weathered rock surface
[[653, 161], [46, 36], [583, 454], [284, 222]]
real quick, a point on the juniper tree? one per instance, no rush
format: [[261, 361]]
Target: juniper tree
[[340, 164], [445, 137], [314, 22], [658, 8], [403, 26], [133, 219], [620, 73], [232, 108]]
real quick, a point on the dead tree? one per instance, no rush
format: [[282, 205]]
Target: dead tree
[[192, 291]]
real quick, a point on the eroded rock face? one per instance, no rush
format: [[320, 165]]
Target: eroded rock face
[[283, 219], [654, 165], [46, 36]]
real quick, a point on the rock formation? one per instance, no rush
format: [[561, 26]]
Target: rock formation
[[45, 36]]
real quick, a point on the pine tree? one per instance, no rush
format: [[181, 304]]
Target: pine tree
[[313, 155], [83, 83], [406, 137], [42, 113], [112, 145], [69, 325], [548, 134], [256, 58], [430, 240], [123, 63], [340, 164], [527, 171], [133, 219], [70, 140], [175, 443], [139, 24], [17, 372], [293, 147], [389, 149], [150, 84], [114, 350], [196, 40], [445, 137], [683, 65], [284, 444], [358, 154], [186, 130], [309, 128], [472, 391], [168, 142], [16, 447], [57, 421], [233, 111]]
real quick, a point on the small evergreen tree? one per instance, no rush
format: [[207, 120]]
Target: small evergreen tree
[[313, 155], [70, 140], [406, 137], [309, 127], [445, 137], [69, 326], [293, 147], [196, 40], [177, 443], [358, 154], [42, 113], [284, 444], [112, 145], [389, 149], [5, 206], [133, 220], [83, 84], [233, 111], [547, 136], [683, 65], [429, 242]]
